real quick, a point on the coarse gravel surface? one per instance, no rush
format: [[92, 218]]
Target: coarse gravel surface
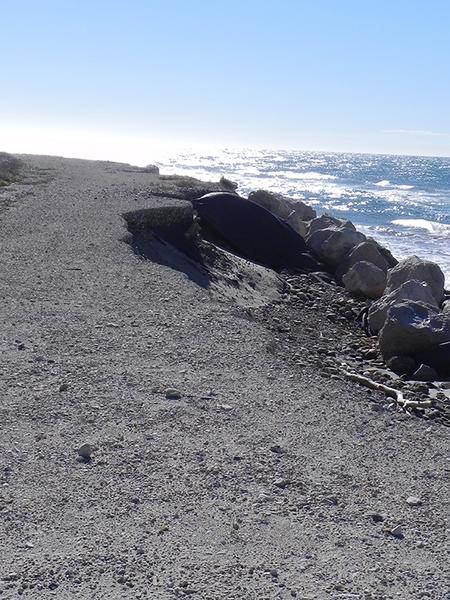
[[265, 476]]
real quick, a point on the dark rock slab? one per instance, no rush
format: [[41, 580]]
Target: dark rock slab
[[437, 357], [253, 232]]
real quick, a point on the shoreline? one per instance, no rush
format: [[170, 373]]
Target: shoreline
[[267, 458], [345, 189]]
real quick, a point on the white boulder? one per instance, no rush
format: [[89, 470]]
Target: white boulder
[[420, 270], [365, 279]]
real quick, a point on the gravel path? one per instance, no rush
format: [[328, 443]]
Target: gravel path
[[267, 478]]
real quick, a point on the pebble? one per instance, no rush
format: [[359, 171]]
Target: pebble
[[85, 451], [281, 483], [63, 387], [413, 501], [376, 517], [276, 449], [172, 394], [397, 532], [274, 572]]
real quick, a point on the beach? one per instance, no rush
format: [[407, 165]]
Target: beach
[[229, 456]]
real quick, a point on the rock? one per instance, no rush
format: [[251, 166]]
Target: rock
[[402, 365], [333, 245], [425, 373], [63, 387], [151, 169], [293, 212], [397, 532], [252, 231], [276, 449], [368, 251], [412, 327], [174, 212], [172, 394], [418, 291], [420, 270], [413, 501], [376, 517], [446, 307], [227, 184], [365, 279], [281, 483], [327, 222], [85, 452], [274, 573], [437, 357]]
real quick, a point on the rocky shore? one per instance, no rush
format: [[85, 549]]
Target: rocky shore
[[179, 420]]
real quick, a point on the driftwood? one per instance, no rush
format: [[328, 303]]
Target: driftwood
[[391, 392]]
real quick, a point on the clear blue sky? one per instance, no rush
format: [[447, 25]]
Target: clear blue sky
[[365, 75]]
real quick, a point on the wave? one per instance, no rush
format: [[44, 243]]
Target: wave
[[306, 175], [433, 227], [384, 183]]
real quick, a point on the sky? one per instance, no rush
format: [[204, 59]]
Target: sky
[[123, 79]]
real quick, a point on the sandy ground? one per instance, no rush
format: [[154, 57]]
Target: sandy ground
[[268, 478]]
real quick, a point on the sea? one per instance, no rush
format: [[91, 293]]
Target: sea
[[401, 201]]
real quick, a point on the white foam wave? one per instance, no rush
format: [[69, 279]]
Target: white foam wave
[[309, 175], [384, 183], [439, 229], [341, 207]]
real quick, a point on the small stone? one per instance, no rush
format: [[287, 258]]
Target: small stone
[[413, 501], [281, 483], [276, 448], [397, 532], [274, 572], [29, 545], [376, 517], [226, 407], [85, 452], [63, 387], [172, 394]]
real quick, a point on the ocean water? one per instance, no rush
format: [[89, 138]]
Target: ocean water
[[402, 201]]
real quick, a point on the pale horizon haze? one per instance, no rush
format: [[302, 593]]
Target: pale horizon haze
[[133, 80]]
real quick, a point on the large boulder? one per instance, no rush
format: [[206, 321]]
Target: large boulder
[[252, 231], [365, 279], [421, 270], [414, 290], [437, 357], [387, 254], [327, 222], [293, 212], [412, 328], [367, 251], [333, 245]]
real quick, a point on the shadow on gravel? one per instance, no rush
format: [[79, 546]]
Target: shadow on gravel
[[167, 244]]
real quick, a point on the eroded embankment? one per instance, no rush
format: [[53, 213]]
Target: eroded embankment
[[171, 235]]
